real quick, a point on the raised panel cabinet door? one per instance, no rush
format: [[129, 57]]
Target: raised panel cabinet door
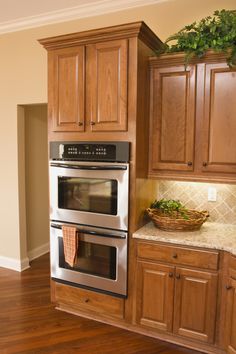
[[195, 304], [67, 89], [155, 294], [219, 122], [172, 125], [106, 85], [231, 317]]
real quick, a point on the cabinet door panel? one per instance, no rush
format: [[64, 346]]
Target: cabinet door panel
[[195, 304], [67, 90], [173, 118], [231, 317], [155, 292], [107, 86], [219, 123]]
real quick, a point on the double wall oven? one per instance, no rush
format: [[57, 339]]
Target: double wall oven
[[89, 188]]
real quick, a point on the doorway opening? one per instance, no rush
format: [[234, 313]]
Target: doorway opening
[[33, 180]]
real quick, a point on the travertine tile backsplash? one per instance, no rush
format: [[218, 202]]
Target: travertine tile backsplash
[[194, 195]]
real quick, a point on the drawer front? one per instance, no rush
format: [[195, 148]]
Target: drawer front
[[89, 301], [179, 255]]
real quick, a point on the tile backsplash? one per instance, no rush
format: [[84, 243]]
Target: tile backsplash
[[194, 195]]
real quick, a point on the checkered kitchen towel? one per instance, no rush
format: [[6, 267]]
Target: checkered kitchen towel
[[71, 243]]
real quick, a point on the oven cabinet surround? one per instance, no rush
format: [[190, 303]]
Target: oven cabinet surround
[[177, 290], [99, 76], [92, 76], [231, 307], [192, 112]]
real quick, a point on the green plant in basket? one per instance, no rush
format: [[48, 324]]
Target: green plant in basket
[[170, 207]]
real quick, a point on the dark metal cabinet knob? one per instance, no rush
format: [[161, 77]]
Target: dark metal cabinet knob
[[228, 287], [177, 276], [204, 164], [92, 123], [189, 163], [175, 256], [80, 124], [86, 300], [171, 275]]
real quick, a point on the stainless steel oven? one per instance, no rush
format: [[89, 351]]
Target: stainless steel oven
[[87, 189], [101, 263]]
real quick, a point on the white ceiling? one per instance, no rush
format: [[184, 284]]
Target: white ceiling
[[16, 15]]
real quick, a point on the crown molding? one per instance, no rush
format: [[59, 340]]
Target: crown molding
[[67, 14]]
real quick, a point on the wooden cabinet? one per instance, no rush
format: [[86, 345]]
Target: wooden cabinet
[[81, 300], [195, 304], [173, 118], [175, 298], [231, 307], [155, 295], [96, 81], [92, 77], [67, 89], [219, 123], [193, 127], [106, 85]]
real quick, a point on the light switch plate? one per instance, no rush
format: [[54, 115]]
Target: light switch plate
[[212, 194]]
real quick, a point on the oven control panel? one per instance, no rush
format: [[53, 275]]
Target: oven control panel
[[87, 151]]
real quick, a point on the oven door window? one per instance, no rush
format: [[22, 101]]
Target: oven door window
[[88, 194], [92, 258]]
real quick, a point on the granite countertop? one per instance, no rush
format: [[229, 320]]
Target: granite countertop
[[211, 235]]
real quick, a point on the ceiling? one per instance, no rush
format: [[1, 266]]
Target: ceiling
[[16, 15]]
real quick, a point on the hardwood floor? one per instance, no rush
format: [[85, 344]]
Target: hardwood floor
[[29, 324]]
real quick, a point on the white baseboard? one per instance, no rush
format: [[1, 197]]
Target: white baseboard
[[39, 251], [20, 265], [14, 264]]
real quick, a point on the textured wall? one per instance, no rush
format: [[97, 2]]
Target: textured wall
[[194, 195]]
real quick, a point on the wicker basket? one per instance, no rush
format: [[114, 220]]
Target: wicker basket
[[176, 222]]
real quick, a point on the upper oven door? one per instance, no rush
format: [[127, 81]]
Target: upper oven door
[[90, 193]]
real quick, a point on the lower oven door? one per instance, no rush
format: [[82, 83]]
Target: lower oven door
[[101, 261]]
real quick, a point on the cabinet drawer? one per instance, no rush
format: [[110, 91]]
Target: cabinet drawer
[[89, 301], [179, 255]]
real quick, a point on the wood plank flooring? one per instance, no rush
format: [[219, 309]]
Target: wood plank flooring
[[29, 324]]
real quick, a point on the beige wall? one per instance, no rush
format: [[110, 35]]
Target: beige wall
[[23, 80], [36, 178]]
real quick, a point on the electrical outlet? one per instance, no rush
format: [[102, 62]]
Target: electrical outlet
[[212, 194]]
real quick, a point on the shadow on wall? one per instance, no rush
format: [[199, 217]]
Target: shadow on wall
[[33, 180]]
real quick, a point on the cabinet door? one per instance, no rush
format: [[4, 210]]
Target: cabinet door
[[231, 317], [172, 118], [219, 123], [66, 89], [106, 84], [155, 293], [195, 304]]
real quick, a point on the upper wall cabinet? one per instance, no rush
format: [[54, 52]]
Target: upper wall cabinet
[[93, 80], [193, 124]]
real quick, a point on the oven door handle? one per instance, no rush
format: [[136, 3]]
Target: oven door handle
[[90, 167], [94, 233]]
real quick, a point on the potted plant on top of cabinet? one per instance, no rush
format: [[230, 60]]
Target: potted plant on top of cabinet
[[193, 106]]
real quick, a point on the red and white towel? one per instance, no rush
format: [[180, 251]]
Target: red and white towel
[[71, 243]]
